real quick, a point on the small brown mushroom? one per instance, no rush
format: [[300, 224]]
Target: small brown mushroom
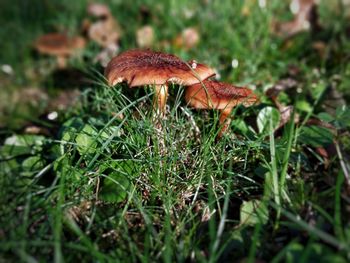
[[59, 45], [218, 95], [145, 67]]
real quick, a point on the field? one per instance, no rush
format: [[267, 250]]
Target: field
[[87, 174]]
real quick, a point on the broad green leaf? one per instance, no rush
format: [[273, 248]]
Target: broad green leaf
[[115, 187], [325, 117], [294, 252], [342, 117], [303, 105], [86, 140], [253, 212], [33, 163], [315, 136], [264, 117], [21, 144]]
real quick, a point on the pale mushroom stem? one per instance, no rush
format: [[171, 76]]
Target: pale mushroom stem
[[61, 62], [159, 99], [224, 121]]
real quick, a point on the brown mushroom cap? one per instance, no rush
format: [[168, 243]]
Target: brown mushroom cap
[[58, 44], [218, 95], [145, 67]]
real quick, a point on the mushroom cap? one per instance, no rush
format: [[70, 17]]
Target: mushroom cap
[[146, 67], [218, 95], [58, 44]]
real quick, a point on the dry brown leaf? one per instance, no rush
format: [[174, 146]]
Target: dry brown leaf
[[64, 100], [189, 38], [33, 96], [32, 129], [324, 154], [145, 36], [305, 16], [320, 47], [107, 54], [282, 85], [286, 114], [333, 99], [79, 213], [98, 10], [285, 111], [105, 32]]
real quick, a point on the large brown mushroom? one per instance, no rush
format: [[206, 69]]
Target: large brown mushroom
[[59, 45], [145, 67], [218, 95]]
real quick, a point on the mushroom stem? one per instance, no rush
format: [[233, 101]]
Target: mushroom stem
[[61, 62], [159, 99], [224, 121]]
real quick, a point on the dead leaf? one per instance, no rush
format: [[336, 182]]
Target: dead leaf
[[79, 213], [333, 98], [285, 111], [64, 100], [320, 47], [305, 17], [145, 36], [120, 116], [105, 32], [189, 38], [282, 85], [98, 10], [32, 96], [324, 154], [107, 54], [32, 129], [286, 114]]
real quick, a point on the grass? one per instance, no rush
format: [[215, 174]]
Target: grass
[[103, 184]]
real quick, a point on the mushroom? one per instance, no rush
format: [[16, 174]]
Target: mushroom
[[218, 95], [59, 45], [146, 67]]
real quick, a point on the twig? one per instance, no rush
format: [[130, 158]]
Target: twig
[[343, 165]]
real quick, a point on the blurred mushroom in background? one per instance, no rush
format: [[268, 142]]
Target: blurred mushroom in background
[[59, 45]]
